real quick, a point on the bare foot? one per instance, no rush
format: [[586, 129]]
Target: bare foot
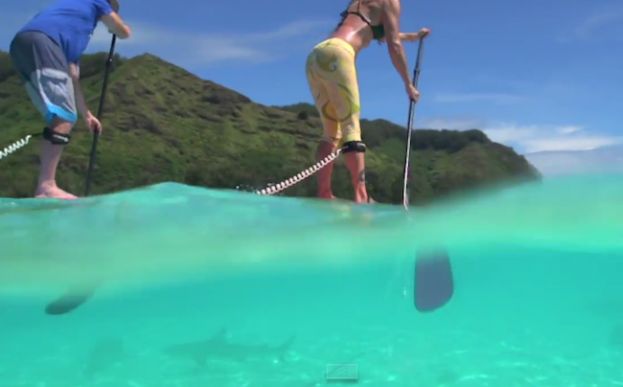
[[327, 197], [369, 200], [51, 191]]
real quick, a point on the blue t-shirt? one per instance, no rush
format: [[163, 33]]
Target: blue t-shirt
[[70, 23]]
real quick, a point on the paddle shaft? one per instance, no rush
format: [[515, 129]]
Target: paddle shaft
[[416, 77], [100, 111]]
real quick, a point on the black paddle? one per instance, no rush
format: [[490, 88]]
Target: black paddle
[[73, 298], [69, 301], [434, 285], [100, 110]]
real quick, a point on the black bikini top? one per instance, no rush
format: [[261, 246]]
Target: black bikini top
[[378, 31]]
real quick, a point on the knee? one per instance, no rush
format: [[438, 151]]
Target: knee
[[61, 126], [56, 137], [354, 146]]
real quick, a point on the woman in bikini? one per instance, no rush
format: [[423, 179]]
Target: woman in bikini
[[332, 77]]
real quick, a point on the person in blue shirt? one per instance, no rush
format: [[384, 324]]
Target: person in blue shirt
[[46, 52]]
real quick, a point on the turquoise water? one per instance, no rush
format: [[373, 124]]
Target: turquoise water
[[200, 287]]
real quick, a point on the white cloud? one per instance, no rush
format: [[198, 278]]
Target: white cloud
[[541, 138], [601, 160], [581, 143], [191, 48], [569, 129], [531, 138]]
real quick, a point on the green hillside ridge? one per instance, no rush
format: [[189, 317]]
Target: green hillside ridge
[[162, 123]]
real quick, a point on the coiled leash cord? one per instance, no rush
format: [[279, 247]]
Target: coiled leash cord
[[48, 134], [273, 189], [4, 153]]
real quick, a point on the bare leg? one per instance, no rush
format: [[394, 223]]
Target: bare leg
[[50, 156], [355, 162], [325, 174]]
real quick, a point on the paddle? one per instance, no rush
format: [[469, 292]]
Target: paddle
[[434, 285], [69, 301], [73, 298], [100, 110]]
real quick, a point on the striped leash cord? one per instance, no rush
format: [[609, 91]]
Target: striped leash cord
[[274, 189], [4, 153]]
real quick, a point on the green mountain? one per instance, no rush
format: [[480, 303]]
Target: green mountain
[[162, 123]]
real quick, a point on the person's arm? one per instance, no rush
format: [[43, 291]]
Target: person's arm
[[413, 36], [391, 22], [90, 120], [116, 26]]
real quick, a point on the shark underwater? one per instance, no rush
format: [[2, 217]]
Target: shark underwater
[[219, 347]]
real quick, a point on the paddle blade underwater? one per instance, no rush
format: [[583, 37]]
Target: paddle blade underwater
[[434, 283]]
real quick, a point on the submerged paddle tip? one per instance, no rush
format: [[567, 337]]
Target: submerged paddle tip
[[434, 283], [430, 304], [67, 303]]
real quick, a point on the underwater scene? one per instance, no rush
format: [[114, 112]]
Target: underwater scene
[[173, 285]]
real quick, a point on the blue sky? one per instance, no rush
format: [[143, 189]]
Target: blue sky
[[536, 75]]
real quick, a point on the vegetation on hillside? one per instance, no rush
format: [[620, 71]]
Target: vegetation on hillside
[[162, 123]]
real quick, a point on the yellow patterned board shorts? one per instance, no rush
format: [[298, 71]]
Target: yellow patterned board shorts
[[332, 78]]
